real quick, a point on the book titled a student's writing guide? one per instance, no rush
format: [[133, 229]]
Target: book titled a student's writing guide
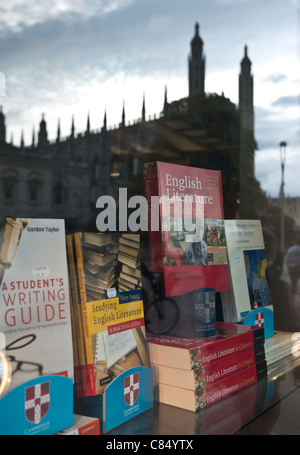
[[34, 299]]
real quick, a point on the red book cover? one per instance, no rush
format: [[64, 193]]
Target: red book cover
[[190, 353], [187, 240]]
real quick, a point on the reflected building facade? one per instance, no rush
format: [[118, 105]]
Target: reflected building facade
[[64, 177]]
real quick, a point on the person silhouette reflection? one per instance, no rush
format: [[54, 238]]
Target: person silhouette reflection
[[285, 315], [293, 264]]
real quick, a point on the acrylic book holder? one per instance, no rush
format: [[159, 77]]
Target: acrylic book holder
[[261, 317], [127, 396], [42, 406]]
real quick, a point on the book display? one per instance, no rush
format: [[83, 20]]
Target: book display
[[149, 220], [76, 357]]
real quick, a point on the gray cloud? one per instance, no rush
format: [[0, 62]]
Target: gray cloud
[[272, 128], [275, 78], [287, 101]]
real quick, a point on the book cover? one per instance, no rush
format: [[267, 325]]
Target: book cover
[[186, 234], [35, 315], [207, 374], [190, 353], [110, 315], [249, 281], [205, 396]]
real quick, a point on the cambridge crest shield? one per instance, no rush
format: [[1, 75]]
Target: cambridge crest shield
[[131, 388], [37, 402], [259, 319], [204, 306]]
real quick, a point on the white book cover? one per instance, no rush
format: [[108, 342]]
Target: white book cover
[[34, 300], [249, 282]]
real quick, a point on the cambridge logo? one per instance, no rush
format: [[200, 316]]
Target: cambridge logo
[[37, 402], [204, 306], [131, 388], [259, 319]]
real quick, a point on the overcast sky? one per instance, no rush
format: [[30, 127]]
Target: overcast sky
[[71, 57]]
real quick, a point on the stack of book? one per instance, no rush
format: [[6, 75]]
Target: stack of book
[[194, 373], [129, 257]]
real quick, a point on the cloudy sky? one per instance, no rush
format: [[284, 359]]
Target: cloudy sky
[[71, 57]]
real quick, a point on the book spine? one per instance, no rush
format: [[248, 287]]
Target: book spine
[[81, 386], [83, 303], [279, 347], [206, 375], [274, 357], [75, 347], [226, 347], [228, 386], [154, 232], [219, 370], [205, 396]]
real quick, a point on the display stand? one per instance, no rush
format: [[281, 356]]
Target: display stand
[[261, 317], [42, 406], [127, 396]]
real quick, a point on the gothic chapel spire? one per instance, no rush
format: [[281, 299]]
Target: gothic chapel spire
[[246, 107], [196, 65], [42, 134]]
